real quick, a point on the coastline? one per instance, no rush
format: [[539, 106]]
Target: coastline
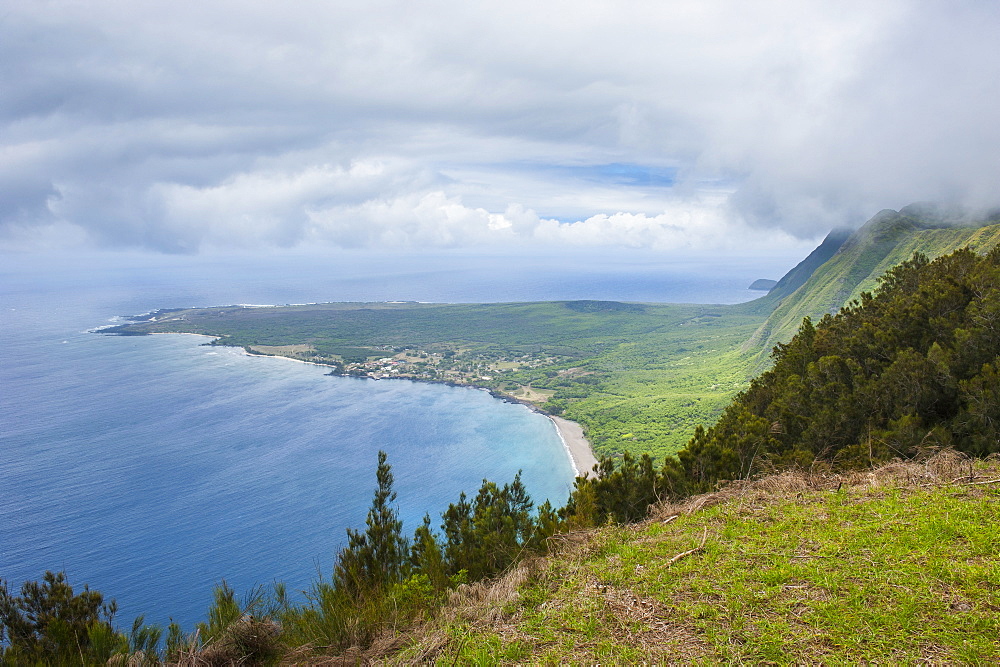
[[281, 356], [581, 455]]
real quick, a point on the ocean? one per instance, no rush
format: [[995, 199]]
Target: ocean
[[153, 468]]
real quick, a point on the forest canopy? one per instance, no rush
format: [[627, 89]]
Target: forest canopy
[[916, 364]]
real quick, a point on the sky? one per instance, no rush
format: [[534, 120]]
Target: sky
[[680, 126]]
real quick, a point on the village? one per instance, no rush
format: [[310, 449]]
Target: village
[[463, 367], [460, 367]]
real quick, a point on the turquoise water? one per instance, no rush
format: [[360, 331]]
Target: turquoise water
[[151, 468]]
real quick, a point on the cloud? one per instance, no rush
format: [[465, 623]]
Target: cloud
[[909, 122], [671, 125]]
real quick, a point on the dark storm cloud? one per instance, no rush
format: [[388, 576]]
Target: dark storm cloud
[[178, 126]]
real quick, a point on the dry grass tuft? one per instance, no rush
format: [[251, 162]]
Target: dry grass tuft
[[648, 623], [248, 641], [933, 468], [483, 602], [480, 604]]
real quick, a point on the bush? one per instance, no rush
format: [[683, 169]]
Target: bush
[[49, 623]]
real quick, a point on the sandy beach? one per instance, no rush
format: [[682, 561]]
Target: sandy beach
[[579, 449]]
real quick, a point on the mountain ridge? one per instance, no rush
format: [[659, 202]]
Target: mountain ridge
[[887, 239]]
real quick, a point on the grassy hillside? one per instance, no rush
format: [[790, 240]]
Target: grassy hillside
[[897, 565], [883, 242], [799, 274]]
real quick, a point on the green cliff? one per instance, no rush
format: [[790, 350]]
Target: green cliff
[[813, 289]]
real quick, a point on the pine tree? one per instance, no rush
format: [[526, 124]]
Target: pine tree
[[50, 624], [491, 533], [373, 560], [426, 557], [459, 536]]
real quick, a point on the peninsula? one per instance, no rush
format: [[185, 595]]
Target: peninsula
[[638, 377]]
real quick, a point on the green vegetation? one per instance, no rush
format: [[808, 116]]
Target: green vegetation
[[381, 582], [896, 565], [885, 241], [915, 365], [912, 367], [639, 377], [50, 624]]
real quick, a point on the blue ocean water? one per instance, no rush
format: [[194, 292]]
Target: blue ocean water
[[151, 468]]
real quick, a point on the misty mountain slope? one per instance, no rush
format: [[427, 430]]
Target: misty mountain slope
[[886, 240], [799, 274]]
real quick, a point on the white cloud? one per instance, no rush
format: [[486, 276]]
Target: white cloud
[[251, 124]]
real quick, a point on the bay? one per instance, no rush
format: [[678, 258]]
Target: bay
[[153, 468]]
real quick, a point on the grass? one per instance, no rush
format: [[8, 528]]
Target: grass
[[897, 565]]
